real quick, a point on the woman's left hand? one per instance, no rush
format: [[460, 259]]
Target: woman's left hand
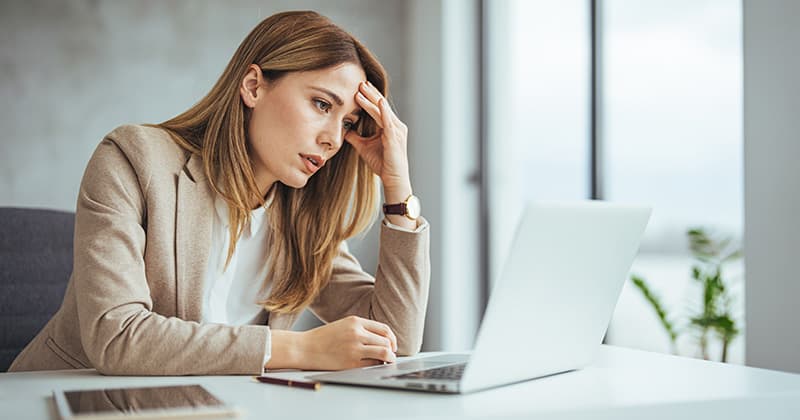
[[386, 151]]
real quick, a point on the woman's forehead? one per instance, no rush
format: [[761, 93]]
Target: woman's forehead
[[343, 77]]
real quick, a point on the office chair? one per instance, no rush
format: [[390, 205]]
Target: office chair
[[35, 265]]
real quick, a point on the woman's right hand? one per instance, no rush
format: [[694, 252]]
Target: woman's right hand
[[348, 343], [344, 344]]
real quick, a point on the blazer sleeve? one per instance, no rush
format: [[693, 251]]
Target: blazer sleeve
[[119, 331], [396, 296]]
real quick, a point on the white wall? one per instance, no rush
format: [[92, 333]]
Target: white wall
[[772, 182]]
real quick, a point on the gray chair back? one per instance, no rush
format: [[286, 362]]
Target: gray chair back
[[35, 265]]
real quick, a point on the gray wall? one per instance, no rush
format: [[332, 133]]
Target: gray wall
[[72, 71], [772, 183], [443, 148]]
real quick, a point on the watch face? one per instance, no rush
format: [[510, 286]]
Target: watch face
[[413, 207]]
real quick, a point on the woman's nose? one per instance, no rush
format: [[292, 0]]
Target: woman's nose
[[332, 138], [328, 142]]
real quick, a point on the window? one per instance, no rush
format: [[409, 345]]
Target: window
[[671, 136], [539, 113], [669, 91]]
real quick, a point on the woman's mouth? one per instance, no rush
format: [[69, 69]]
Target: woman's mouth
[[312, 162]]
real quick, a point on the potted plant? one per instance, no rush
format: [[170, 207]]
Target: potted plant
[[714, 316]]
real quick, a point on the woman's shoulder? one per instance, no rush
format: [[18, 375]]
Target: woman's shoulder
[[147, 141], [148, 146]]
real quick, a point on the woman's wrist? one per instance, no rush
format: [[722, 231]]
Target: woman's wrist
[[287, 350], [397, 194]]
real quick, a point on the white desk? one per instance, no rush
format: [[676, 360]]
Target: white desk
[[621, 384]]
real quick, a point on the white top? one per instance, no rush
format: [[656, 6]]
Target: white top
[[230, 295]]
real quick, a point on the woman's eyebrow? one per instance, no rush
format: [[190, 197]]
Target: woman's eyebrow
[[336, 98]]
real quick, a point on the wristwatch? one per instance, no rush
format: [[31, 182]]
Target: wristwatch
[[410, 208]]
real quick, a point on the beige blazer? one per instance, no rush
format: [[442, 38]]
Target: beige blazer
[[142, 236]]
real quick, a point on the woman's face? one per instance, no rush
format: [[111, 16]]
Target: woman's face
[[299, 121]]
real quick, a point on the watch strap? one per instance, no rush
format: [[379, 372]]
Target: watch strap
[[399, 208]]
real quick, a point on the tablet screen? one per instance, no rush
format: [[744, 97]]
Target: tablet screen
[[185, 399]]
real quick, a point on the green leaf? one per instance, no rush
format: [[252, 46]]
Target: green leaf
[[734, 255], [655, 302]]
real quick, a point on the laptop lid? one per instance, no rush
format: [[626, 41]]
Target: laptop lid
[[551, 306]]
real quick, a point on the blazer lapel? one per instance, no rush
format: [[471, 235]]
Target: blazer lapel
[[195, 213]]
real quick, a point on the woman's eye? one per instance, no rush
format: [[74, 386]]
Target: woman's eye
[[322, 105], [349, 125]]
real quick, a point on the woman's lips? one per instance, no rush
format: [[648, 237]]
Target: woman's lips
[[309, 165]]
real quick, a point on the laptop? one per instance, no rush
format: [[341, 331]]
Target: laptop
[[548, 311]]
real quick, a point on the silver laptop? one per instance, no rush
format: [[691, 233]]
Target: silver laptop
[[547, 313]]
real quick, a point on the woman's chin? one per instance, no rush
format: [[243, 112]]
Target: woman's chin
[[296, 182]]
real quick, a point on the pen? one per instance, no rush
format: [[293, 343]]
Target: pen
[[289, 382]]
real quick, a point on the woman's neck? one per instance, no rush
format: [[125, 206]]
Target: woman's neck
[[265, 194], [264, 183]]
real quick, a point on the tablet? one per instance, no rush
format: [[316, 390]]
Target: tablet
[[173, 402]]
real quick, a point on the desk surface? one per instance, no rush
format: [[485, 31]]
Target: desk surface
[[621, 383]]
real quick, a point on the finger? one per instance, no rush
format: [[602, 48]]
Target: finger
[[369, 362], [358, 141], [378, 353], [374, 95], [370, 92], [381, 329], [372, 339], [370, 107], [386, 113], [355, 140]]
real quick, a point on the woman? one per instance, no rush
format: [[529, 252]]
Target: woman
[[198, 241]]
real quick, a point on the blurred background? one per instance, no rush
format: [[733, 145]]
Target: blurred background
[[686, 106]]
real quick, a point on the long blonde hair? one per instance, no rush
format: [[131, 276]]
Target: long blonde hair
[[338, 202]]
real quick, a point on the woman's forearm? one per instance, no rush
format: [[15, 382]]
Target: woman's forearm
[[286, 350]]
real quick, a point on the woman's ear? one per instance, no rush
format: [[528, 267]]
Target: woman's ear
[[248, 89]]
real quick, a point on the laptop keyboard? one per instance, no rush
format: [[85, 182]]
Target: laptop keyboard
[[449, 372]]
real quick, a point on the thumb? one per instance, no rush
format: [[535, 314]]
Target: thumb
[[359, 142], [355, 140]]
